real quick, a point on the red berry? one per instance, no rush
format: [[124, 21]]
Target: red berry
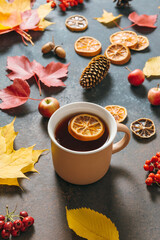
[[53, 5], [8, 226], [155, 164], [2, 217], [15, 232], [158, 172], [154, 159], [157, 177], [62, 7], [28, 221], [23, 214], [147, 162], [146, 167], [23, 228], [151, 175], [71, 4], [149, 181], [48, 1], [158, 154], [1, 224], [151, 168], [5, 234], [80, 1], [17, 224]]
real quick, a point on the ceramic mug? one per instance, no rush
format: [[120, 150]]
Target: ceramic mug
[[88, 166]]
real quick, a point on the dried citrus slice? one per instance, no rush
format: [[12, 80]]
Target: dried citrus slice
[[76, 23], [142, 43], [119, 113], [143, 128], [128, 38], [86, 127], [118, 54], [87, 46]]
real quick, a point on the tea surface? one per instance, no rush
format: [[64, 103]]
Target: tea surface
[[65, 139]]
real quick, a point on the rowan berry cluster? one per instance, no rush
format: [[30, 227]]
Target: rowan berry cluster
[[64, 4], [153, 166], [10, 227]]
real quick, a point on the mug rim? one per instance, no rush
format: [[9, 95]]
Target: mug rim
[[105, 145]]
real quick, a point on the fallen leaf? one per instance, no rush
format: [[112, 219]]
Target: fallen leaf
[[52, 73], [18, 16], [152, 67], [15, 94], [143, 20], [90, 225], [107, 17], [14, 163]]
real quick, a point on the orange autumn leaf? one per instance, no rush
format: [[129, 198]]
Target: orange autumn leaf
[[18, 16], [14, 163], [90, 224]]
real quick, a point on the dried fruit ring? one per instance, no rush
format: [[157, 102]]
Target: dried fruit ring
[[118, 112], [86, 127], [128, 38], [143, 128], [142, 43], [87, 46], [76, 23], [118, 54]]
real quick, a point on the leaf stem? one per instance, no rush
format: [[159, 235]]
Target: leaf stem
[[38, 84], [118, 25], [129, 26], [157, 86]]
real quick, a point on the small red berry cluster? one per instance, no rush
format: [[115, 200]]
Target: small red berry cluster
[[153, 166], [10, 227], [65, 4], [53, 4]]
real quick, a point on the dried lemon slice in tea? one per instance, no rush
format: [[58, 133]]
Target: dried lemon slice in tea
[[128, 38], [142, 43], [76, 23], [87, 46], [118, 112], [118, 54], [86, 127], [143, 128]]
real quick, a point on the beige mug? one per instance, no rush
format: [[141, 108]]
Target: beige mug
[[88, 166]]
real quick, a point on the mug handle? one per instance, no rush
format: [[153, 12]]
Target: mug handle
[[124, 141]]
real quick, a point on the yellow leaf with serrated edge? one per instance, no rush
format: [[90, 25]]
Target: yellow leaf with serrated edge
[[152, 67], [14, 163], [43, 11], [107, 17], [91, 225], [16, 5]]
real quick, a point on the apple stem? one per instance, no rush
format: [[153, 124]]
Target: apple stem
[[128, 69]]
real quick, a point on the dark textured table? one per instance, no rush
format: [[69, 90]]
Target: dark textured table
[[122, 194]]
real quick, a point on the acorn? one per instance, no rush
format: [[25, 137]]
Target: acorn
[[50, 46]]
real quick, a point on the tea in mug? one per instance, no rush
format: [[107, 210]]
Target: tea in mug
[[65, 139]]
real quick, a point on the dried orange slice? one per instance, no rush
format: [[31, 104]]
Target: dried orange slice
[[86, 127], [118, 112], [118, 54], [142, 43], [143, 128], [76, 23], [128, 38], [87, 46]]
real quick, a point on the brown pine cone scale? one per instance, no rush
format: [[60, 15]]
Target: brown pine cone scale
[[95, 72]]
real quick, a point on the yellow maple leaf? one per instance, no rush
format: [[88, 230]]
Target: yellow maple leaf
[[14, 163], [91, 225], [107, 17], [16, 5], [152, 67]]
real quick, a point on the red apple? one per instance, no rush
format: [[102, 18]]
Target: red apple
[[48, 106], [136, 77], [154, 95]]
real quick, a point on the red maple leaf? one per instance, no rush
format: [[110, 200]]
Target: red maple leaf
[[50, 75], [143, 20], [15, 94]]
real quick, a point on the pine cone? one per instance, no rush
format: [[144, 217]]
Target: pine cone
[[94, 73], [122, 3]]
